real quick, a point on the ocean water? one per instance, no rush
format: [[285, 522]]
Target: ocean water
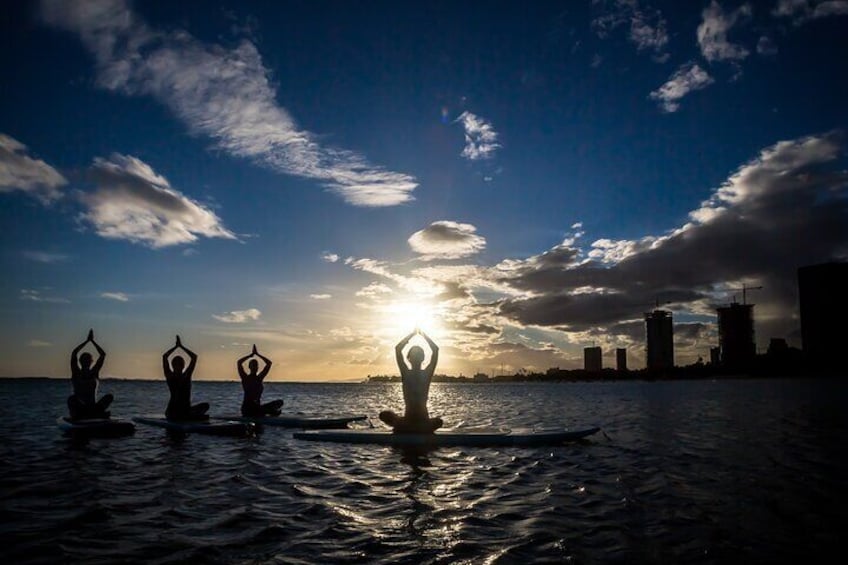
[[752, 471]]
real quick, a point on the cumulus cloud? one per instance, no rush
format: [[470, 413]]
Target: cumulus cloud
[[238, 316], [330, 257], [481, 140], [224, 94], [647, 28], [374, 290], [786, 208], [713, 30], [802, 11], [688, 78], [447, 240], [119, 296], [19, 171], [132, 202]]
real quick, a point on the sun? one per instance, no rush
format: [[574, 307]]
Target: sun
[[402, 317]]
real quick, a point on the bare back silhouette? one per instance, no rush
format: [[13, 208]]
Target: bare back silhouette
[[178, 377], [85, 378], [252, 383]]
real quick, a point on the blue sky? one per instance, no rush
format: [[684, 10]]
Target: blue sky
[[520, 179]]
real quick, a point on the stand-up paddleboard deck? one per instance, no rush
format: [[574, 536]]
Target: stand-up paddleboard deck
[[96, 427], [450, 437], [208, 427], [302, 422]]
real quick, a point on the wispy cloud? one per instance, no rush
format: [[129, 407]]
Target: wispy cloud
[[320, 296], [447, 240], [766, 46], [481, 140], [647, 26], [713, 30], [19, 171], [38, 343], [802, 11], [33, 295], [46, 257], [688, 78], [330, 257], [222, 93], [132, 202], [119, 296], [238, 316]]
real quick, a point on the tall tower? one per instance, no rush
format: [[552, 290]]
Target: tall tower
[[737, 348], [621, 359], [660, 340], [592, 359], [823, 306]]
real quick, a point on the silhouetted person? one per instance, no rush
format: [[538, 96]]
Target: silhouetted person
[[178, 377], [85, 377], [416, 388], [253, 387]]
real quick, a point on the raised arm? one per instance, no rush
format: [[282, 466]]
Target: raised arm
[[264, 372], [240, 365], [434, 357], [192, 357], [101, 355], [75, 354], [399, 352], [166, 363]]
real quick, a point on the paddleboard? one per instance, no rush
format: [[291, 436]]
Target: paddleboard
[[96, 427], [490, 437], [208, 427], [303, 422]]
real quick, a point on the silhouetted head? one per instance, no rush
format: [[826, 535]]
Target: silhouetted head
[[415, 355], [253, 365], [178, 364], [85, 360]]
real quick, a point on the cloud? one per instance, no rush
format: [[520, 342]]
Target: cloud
[[119, 296], [765, 46], [132, 202], [238, 316], [481, 140], [447, 240], [18, 171], [45, 257], [688, 78], [38, 343], [802, 11], [713, 30], [374, 290], [330, 257], [783, 209], [647, 26], [32, 295], [224, 94], [320, 296]]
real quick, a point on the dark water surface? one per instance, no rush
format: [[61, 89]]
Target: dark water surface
[[752, 471]]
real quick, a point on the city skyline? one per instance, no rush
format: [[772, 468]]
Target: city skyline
[[521, 182]]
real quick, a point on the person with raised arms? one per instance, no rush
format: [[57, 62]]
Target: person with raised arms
[[416, 388], [85, 378], [251, 382], [178, 377]]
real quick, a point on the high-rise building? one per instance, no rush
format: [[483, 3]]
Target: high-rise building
[[823, 302], [621, 359], [592, 359], [737, 348], [660, 340]]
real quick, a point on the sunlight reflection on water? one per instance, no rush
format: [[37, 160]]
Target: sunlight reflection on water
[[686, 472]]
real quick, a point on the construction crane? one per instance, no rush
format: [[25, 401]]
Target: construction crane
[[745, 288]]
